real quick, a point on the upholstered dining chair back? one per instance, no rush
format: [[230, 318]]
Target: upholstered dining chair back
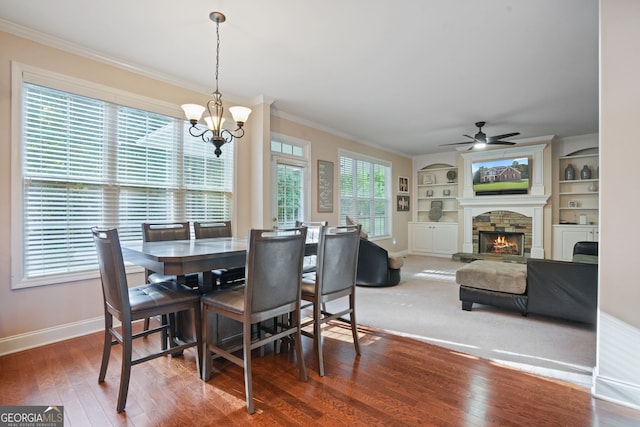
[[338, 259], [205, 230], [140, 302], [274, 269], [157, 232], [314, 229], [223, 277], [272, 290], [113, 273]]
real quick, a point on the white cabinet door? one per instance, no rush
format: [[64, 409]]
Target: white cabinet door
[[566, 236], [433, 238], [445, 239]]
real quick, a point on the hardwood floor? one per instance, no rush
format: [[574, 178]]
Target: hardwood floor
[[396, 381]]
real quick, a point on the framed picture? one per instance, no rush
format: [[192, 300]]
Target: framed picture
[[428, 178], [325, 186], [573, 203], [402, 203], [403, 184]]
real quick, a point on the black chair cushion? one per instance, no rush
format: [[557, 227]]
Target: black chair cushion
[[153, 295]]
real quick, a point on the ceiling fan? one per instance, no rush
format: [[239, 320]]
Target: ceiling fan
[[480, 139]]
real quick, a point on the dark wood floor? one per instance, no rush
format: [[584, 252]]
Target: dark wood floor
[[396, 381]]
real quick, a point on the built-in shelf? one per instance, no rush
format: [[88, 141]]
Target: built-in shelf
[[437, 182]]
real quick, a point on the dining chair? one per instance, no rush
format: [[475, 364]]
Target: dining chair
[[313, 234], [157, 232], [223, 276], [135, 303], [272, 289], [334, 278]]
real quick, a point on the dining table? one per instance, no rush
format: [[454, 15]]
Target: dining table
[[198, 256], [182, 257]]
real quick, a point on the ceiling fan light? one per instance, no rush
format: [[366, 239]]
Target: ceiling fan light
[[480, 145], [240, 114]]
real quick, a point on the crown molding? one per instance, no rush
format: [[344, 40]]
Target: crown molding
[[85, 52]]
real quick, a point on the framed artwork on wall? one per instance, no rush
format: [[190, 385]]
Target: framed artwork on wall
[[325, 186], [403, 184], [402, 204]]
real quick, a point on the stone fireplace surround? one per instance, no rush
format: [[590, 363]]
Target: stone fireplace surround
[[530, 205], [511, 225]]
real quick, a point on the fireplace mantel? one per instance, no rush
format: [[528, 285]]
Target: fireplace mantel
[[530, 205]]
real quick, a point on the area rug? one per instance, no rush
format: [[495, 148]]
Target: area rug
[[425, 306]]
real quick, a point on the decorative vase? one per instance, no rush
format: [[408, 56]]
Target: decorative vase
[[569, 173], [585, 173]]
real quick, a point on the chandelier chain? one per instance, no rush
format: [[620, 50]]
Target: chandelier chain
[[217, 51]]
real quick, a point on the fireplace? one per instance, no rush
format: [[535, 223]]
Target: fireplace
[[501, 243]]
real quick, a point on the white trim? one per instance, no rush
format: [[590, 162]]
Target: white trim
[[20, 342], [616, 378]]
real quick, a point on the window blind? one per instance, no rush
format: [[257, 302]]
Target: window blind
[[88, 162], [364, 193]]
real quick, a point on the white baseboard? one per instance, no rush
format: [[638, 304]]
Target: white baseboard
[[45, 336], [618, 392], [617, 374]]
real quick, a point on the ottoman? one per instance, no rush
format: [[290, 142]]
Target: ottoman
[[500, 284]]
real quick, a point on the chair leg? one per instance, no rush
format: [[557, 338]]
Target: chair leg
[[198, 337], [146, 324], [248, 387], [125, 374], [354, 326], [207, 362], [298, 345], [317, 335], [106, 350]]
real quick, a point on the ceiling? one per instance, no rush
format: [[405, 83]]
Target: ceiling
[[407, 75]]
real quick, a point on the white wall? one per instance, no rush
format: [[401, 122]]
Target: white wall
[[617, 375]]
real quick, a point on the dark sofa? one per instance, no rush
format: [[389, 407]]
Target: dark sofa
[[560, 289], [374, 266], [567, 290]]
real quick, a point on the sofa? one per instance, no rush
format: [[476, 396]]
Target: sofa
[[566, 290], [375, 267], [560, 289]]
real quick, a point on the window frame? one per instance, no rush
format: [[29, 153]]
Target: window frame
[[388, 190], [22, 74]]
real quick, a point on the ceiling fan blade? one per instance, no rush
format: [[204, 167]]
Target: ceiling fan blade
[[501, 143], [497, 137], [459, 143]]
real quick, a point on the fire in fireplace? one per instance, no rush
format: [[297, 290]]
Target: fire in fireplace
[[501, 243]]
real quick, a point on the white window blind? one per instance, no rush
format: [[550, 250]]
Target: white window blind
[[88, 162], [364, 193]]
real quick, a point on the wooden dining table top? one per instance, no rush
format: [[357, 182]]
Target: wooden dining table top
[[179, 257], [183, 257]]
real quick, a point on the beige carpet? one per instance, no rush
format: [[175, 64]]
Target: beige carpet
[[425, 305]]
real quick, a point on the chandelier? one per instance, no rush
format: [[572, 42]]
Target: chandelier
[[215, 133]]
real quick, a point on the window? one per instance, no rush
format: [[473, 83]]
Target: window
[[89, 162], [364, 192]]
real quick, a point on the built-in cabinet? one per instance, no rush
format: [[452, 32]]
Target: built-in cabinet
[[433, 238], [578, 197], [566, 236], [577, 207], [435, 227], [437, 183]]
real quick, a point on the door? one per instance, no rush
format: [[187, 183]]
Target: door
[[290, 182]]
